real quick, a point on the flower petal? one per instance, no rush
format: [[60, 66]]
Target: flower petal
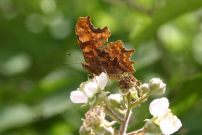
[[170, 124], [102, 80], [78, 96], [90, 88], [159, 107]]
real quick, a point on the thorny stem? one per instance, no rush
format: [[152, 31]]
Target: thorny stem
[[124, 124]]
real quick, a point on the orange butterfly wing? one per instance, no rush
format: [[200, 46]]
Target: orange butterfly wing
[[112, 58]]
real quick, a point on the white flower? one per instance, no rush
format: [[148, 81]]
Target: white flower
[[159, 107], [169, 124], [78, 96], [156, 84], [89, 89]]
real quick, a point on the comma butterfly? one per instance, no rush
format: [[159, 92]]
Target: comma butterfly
[[112, 58]]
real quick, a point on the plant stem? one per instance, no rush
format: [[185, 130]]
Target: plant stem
[[124, 124]]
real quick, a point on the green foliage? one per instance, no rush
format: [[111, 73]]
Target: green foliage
[[40, 59]]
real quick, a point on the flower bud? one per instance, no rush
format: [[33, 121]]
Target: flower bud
[[115, 99], [144, 88], [134, 93], [157, 85]]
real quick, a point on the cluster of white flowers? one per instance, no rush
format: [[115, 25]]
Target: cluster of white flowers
[[159, 108], [89, 89], [168, 122]]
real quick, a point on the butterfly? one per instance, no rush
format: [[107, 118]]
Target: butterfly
[[100, 56]]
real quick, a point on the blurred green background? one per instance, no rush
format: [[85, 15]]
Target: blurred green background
[[40, 59]]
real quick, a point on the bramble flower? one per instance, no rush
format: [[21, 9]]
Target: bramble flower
[[89, 89], [168, 122], [159, 107], [157, 85]]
